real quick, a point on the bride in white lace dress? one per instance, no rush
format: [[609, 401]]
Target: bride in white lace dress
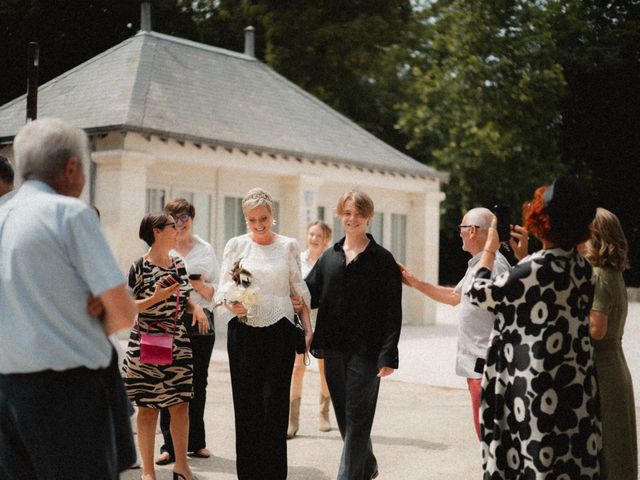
[[261, 336]]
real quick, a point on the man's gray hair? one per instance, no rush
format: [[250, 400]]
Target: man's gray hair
[[43, 147], [480, 217]]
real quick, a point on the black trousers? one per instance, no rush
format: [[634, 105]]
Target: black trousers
[[261, 363], [58, 425], [354, 385], [201, 348]]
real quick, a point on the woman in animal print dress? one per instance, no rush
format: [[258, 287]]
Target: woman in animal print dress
[[539, 412], [160, 287]]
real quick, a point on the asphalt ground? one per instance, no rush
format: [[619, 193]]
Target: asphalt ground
[[423, 427]]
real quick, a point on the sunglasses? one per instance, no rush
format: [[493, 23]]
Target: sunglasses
[[183, 218]]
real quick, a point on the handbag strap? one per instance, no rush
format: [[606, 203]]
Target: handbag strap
[[175, 317], [177, 313]]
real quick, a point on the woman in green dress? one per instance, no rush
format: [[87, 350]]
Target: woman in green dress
[[607, 251]]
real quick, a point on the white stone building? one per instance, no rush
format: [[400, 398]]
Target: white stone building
[[170, 118]]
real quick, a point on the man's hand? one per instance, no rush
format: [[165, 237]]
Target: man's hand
[[408, 278], [95, 307], [119, 309], [385, 371]]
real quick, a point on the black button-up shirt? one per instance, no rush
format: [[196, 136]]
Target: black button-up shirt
[[360, 309]]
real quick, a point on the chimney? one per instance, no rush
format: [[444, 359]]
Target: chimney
[[145, 16], [250, 41], [33, 63]]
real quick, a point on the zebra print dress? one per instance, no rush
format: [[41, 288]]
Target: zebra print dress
[[158, 386]]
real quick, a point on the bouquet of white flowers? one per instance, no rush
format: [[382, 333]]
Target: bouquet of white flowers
[[241, 291]]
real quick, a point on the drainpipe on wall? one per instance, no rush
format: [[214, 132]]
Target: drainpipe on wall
[[250, 41], [33, 61]]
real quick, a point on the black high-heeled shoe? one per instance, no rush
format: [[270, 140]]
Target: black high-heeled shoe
[[179, 476]]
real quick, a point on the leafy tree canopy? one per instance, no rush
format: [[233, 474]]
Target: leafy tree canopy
[[504, 95], [485, 104]]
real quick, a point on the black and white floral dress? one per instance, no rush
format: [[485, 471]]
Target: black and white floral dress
[[539, 413], [158, 386]]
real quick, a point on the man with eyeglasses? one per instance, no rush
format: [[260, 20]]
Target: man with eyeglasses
[[475, 324]]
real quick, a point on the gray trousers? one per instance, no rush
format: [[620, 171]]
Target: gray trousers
[[353, 385]]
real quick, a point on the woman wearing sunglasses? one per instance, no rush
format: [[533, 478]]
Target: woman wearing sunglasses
[[161, 290], [202, 266]]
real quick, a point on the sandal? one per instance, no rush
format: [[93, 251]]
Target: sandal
[[202, 453], [164, 458]]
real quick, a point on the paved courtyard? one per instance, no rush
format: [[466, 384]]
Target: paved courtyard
[[423, 426]]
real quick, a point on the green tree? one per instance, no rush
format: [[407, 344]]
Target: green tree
[[485, 106], [222, 23], [345, 53], [599, 50], [352, 55]]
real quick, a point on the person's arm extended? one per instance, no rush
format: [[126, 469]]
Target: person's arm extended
[[206, 290], [438, 293], [598, 324], [119, 309]]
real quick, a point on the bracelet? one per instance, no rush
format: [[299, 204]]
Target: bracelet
[[489, 251]]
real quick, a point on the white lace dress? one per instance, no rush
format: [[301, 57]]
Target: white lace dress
[[275, 271]]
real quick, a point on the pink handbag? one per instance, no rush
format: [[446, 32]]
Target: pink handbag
[[157, 349]]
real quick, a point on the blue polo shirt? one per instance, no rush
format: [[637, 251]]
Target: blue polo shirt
[[53, 254]]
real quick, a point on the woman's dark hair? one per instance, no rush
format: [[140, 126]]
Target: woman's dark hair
[[560, 213], [151, 221], [179, 205]]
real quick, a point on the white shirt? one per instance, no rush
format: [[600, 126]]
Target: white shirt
[[475, 324], [307, 266], [202, 259], [275, 270]]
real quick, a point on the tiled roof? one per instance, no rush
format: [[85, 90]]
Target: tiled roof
[[182, 89]]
